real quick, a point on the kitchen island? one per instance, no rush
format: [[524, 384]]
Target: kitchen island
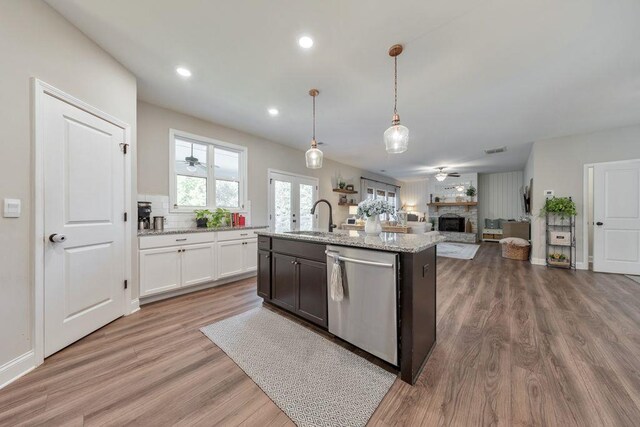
[[389, 284]]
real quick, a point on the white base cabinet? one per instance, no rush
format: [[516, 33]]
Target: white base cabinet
[[169, 262], [237, 257], [159, 270]]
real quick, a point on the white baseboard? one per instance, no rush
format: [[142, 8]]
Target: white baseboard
[[538, 261], [14, 369], [582, 265], [182, 291], [134, 306]]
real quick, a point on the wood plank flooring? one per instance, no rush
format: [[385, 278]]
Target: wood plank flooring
[[518, 345]]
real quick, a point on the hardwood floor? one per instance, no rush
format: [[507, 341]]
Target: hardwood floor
[[517, 345]]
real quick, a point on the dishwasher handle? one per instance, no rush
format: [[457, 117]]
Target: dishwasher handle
[[357, 261]]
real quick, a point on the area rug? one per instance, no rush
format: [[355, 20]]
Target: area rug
[[634, 278], [314, 381], [457, 250]]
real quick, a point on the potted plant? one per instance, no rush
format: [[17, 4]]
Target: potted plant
[[564, 207], [558, 259], [202, 217], [217, 218], [372, 209], [471, 193]]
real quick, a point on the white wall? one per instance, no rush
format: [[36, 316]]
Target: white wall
[[500, 196], [558, 164], [153, 161], [35, 41]]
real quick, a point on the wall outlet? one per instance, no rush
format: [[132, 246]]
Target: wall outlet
[[548, 193]]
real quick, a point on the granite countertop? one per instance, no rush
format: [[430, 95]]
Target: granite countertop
[[195, 230], [391, 242]]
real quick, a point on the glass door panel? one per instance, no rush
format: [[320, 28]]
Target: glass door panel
[[291, 198], [283, 205]]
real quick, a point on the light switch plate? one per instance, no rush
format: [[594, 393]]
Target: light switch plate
[[12, 208], [548, 193]]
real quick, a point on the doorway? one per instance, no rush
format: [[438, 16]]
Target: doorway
[[291, 198], [82, 234], [613, 229]]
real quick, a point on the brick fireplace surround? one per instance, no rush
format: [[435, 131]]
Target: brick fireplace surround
[[452, 236]]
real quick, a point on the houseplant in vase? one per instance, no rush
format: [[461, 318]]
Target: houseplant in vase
[[202, 217], [564, 207], [371, 209], [218, 218], [471, 193]]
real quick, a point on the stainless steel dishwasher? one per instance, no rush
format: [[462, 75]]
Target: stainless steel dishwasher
[[367, 315]]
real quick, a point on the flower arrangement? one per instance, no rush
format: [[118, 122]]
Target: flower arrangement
[[370, 207]]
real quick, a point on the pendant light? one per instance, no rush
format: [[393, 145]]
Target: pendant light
[[314, 155], [396, 138]]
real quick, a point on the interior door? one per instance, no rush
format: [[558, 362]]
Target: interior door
[[84, 256], [616, 197], [291, 198]]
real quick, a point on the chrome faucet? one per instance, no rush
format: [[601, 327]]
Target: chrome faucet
[[313, 211]]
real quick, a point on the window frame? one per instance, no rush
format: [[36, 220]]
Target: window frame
[[211, 178]]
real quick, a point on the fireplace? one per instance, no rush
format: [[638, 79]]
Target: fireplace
[[451, 222]]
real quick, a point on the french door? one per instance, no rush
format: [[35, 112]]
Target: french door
[[291, 198], [616, 212]]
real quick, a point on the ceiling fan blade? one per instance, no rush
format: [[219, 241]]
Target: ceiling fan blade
[[454, 174]]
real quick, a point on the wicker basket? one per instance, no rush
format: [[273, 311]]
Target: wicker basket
[[511, 251]]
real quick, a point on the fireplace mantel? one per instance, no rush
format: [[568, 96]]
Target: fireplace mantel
[[466, 205]]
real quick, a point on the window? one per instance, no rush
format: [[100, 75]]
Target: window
[[206, 173]]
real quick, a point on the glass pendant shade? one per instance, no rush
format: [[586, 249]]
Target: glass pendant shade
[[441, 176], [396, 139], [314, 158]]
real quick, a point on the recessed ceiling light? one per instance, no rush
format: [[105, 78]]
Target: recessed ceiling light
[[273, 112], [305, 42], [183, 72]]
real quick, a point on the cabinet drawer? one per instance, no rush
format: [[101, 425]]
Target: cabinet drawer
[[149, 242], [237, 234], [314, 251], [264, 242]]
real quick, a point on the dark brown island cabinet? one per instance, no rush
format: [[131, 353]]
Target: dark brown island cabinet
[[292, 275]]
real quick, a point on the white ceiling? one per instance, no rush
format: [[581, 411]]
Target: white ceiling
[[474, 74]]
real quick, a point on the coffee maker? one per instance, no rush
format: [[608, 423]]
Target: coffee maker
[[144, 215]]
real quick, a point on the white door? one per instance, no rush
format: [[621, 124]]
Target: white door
[[616, 197], [84, 198], [230, 258], [291, 198], [198, 262], [159, 270]]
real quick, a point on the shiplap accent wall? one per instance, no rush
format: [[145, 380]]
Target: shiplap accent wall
[[499, 196], [415, 193]]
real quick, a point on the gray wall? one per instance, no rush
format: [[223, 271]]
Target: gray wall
[[499, 196], [35, 41], [153, 160], [558, 164]]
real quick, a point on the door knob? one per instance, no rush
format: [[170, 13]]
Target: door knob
[[599, 223], [57, 238]]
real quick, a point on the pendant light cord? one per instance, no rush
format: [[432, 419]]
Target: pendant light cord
[[314, 117], [395, 86]]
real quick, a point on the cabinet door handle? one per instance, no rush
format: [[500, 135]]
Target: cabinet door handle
[[181, 240], [244, 234], [267, 256]]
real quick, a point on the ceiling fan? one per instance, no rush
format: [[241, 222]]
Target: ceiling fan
[[192, 162], [442, 175]]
